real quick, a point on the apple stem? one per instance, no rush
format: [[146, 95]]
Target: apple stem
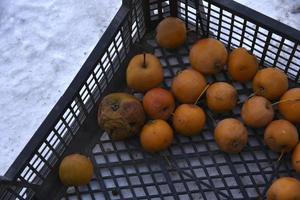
[[168, 161], [251, 95], [114, 107], [144, 60], [235, 143], [284, 100], [201, 94], [218, 66], [255, 93], [277, 161], [209, 114], [178, 72], [281, 155]]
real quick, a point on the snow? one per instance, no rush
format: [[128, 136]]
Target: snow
[[43, 45], [285, 11]]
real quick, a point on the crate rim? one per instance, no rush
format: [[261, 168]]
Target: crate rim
[[42, 132], [259, 18]]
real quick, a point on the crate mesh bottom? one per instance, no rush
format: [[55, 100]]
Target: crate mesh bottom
[[193, 167]]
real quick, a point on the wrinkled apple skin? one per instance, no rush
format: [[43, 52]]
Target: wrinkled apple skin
[[121, 115]]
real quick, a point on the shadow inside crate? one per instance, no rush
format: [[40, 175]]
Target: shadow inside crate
[[193, 167]]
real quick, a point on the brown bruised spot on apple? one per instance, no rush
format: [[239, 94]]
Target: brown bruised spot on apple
[[121, 115], [144, 72], [208, 56]]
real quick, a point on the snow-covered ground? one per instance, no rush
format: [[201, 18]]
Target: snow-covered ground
[[43, 43], [285, 11]]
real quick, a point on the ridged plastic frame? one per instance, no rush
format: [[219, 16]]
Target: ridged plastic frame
[[193, 167]]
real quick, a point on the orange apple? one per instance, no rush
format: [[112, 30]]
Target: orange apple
[[187, 85], [189, 119], [208, 56], [158, 103], [144, 72], [171, 33]]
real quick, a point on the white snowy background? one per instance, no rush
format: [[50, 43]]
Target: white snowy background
[[43, 44]]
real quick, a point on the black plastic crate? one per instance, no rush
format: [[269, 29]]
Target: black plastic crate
[[193, 167]]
